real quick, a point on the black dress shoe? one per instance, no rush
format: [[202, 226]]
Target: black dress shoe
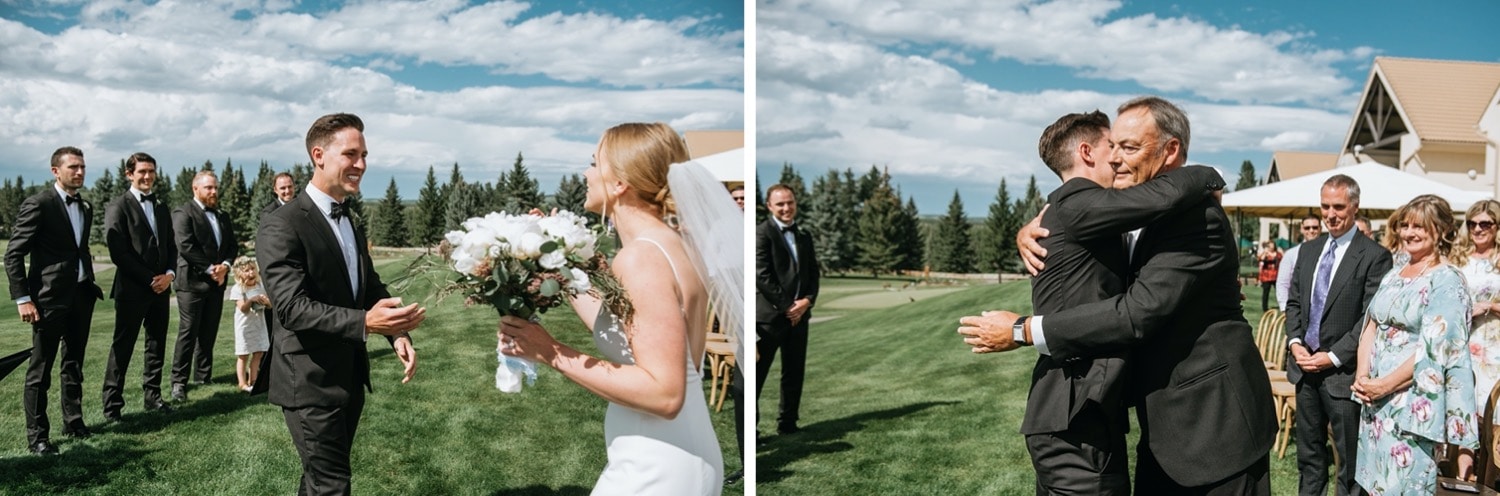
[[43, 448], [179, 392], [112, 418], [734, 477], [788, 429], [160, 406], [79, 433]]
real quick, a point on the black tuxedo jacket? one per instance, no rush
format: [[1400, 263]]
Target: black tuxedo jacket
[[138, 254], [1087, 266], [44, 232], [317, 355], [778, 280], [270, 207], [197, 250], [1201, 393], [1364, 264]]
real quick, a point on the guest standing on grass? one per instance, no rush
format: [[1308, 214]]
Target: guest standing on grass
[[52, 281], [1477, 256], [138, 233], [1310, 227], [250, 334], [328, 301], [1335, 277], [1413, 376], [1270, 262], [206, 246], [786, 286]]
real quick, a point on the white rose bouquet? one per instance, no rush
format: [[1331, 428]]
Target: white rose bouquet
[[523, 265]]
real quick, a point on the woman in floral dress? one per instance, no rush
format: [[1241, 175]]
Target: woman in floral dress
[[1413, 376], [1475, 254]]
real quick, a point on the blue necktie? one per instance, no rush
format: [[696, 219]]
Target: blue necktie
[[1320, 294]]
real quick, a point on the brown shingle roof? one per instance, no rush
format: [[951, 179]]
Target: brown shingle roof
[[705, 143], [1290, 165], [1443, 99]]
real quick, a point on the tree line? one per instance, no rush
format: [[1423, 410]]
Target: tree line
[[390, 221]]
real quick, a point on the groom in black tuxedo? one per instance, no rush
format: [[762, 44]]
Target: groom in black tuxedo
[[138, 232], [206, 246], [55, 294], [786, 285], [327, 300]]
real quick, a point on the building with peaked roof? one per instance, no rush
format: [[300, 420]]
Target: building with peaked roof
[[1489, 129], [1290, 164], [1421, 116]]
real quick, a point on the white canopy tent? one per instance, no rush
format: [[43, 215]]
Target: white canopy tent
[[1382, 189], [727, 166]]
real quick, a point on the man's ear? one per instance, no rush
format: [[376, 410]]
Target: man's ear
[[1173, 151], [1085, 150], [317, 156]]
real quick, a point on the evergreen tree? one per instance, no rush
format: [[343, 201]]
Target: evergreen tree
[[521, 191], [950, 247], [105, 189], [391, 226], [234, 201], [1028, 206], [879, 231], [761, 213], [870, 181], [463, 203], [832, 225], [909, 236], [8, 193], [455, 179], [262, 191], [429, 212], [164, 189], [1249, 227], [572, 193], [997, 248], [184, 192], [301, 174]]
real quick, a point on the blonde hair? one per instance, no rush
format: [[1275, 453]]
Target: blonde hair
[[639, 154], [1465, 245], [243, 263], [1430, 212]]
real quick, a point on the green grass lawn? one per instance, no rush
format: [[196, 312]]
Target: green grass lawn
[[447, 432], [894, 403]]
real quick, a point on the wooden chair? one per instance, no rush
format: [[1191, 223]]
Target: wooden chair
[[721, 359]]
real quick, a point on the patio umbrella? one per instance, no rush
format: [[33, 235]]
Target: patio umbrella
[[1383, 189], [9, 363]]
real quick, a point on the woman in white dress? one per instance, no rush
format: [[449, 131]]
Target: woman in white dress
[[1476, 253], [657, 430]]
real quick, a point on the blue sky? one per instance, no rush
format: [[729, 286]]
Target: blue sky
[[436, 81], [954, 94]]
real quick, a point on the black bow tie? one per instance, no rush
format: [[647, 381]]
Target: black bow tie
[[789, 229], [148, 198], [214, 211], [341, 209], [71, 199]]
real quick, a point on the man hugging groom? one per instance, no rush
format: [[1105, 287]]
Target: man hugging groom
[[1149, 318]]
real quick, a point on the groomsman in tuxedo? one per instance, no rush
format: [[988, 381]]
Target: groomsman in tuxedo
[[206, 247], [138, 232], [786, 285], [285, 189], [328, 300], [55, 294], [1202, 397], [1075, 419], [1335, 277]]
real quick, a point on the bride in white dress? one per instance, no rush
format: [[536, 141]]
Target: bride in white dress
[[657, 428]]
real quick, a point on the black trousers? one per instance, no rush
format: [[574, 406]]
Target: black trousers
[[792, 342], [1088, 458], [198, 326], [1254, 480], [1316, 413], [1265, 295], [130, 313], [324, 436], [65, 330], [737, 395]]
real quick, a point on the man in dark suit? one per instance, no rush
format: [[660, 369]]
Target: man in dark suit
[[138, 232], [1335, 277], [55, 294], [206, 246], [285, 188], [786, 286], [327, 299], [1075, 419], [1202, 396]]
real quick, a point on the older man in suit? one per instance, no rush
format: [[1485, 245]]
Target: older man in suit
[[786, 286], [206, 247], [1202, 396], [1075, 419], [138, 233], [327, 301], [55, 293], [1335, 277]]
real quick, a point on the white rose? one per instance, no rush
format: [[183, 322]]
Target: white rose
[[454, 238], [463, 263], [553, 260], [580, 281], [530, 245]]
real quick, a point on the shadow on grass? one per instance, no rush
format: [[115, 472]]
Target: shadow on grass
[[79, 468], [540, 490], [821, 438], [220, 403]]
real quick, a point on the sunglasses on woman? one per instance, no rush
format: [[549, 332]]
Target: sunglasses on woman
[[1483, 224]]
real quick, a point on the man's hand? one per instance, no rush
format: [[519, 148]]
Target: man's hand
[[28, 312], [218, 272], [798, 310], [1026, 241], [161, 282], [408, 355], [990, 332], [1316, 362], [391, 319]]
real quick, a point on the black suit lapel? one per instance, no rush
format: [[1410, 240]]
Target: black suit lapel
[[329, 248], [1345, 274]]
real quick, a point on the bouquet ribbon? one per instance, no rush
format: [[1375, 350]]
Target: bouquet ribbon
[[511, 370]]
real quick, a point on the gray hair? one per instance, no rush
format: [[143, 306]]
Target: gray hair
[[1346, 182], [1170, 120]]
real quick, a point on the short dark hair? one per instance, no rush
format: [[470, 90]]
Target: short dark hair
[[780, 187], [322, 130], [280, 175], [1171, 121], [136, 158], [1059, 139], [737, 187], [67, 150], [1313, 217]]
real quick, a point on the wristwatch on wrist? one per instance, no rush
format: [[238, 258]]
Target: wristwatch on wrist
[[1018, 331]]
